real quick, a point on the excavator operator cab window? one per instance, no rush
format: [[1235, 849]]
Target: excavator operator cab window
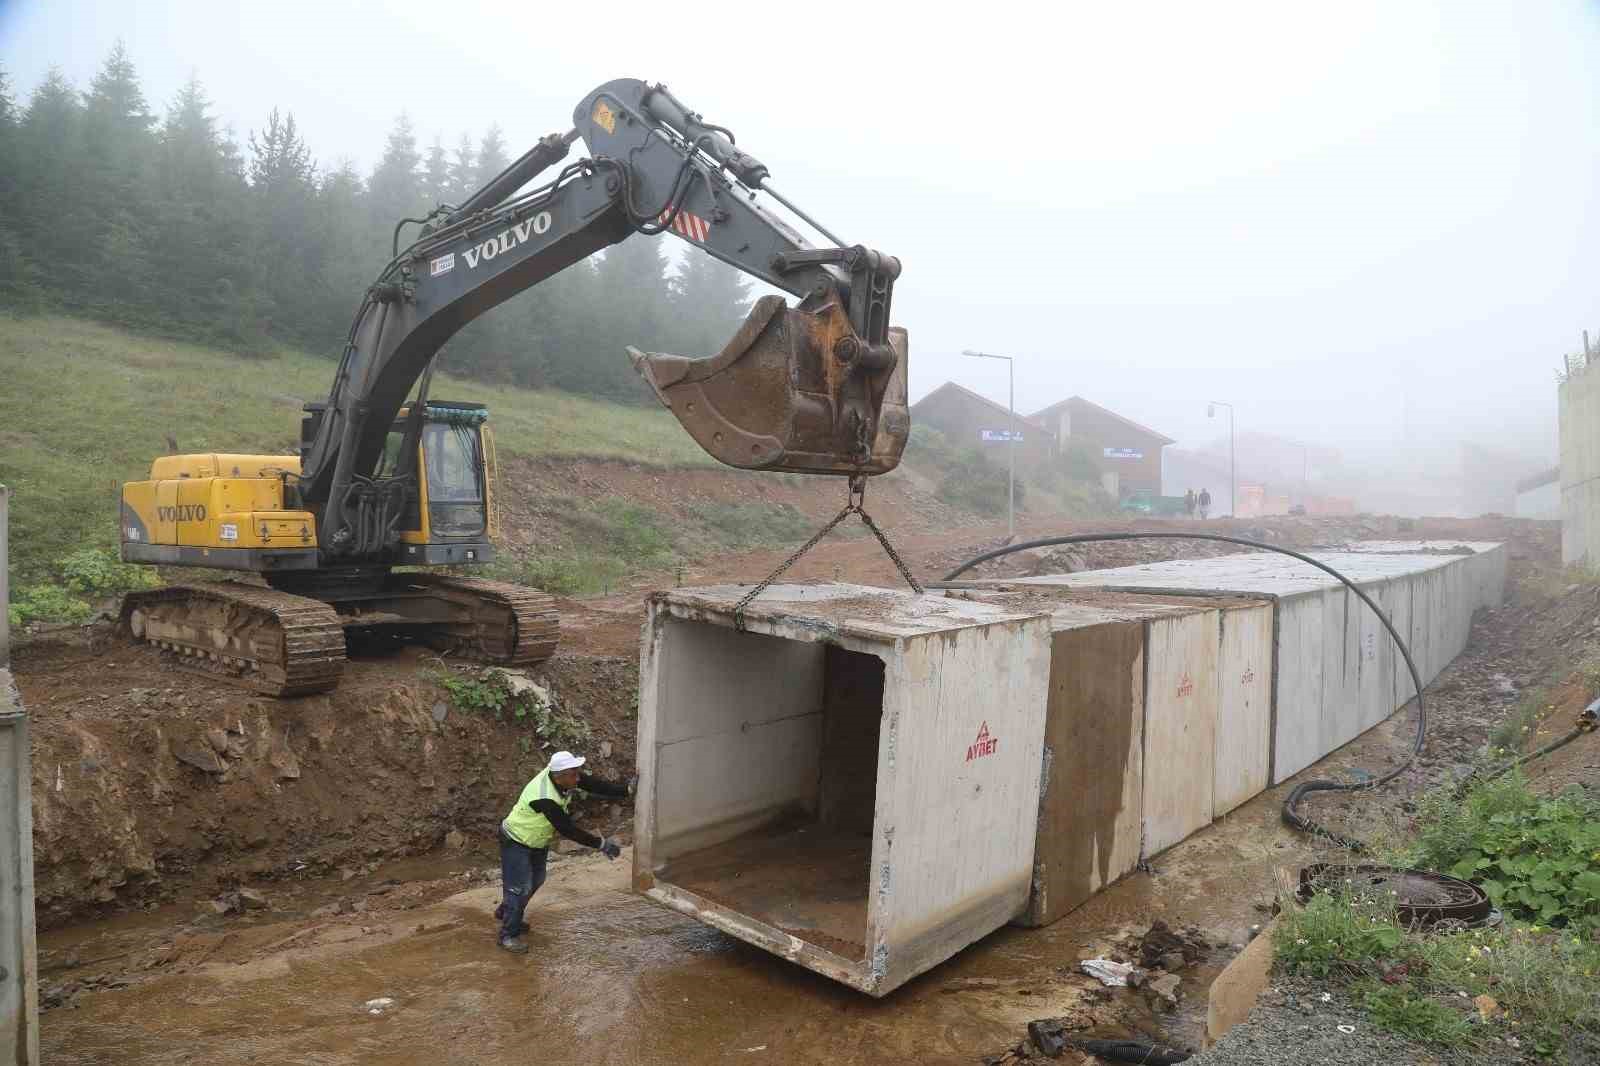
[[452, 457]]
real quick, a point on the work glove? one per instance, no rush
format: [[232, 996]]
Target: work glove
[[633, 785], [610, 848]]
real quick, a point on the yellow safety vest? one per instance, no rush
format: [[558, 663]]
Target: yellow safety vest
[[526, 825]]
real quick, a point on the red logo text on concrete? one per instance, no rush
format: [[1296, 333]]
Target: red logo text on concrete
[[984, 745], [1185, 687]]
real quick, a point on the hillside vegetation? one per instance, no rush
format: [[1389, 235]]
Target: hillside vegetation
[[89, 406]]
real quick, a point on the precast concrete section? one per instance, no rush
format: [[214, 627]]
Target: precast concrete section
[[19, 968], [1579, 405], [851, 781], [1336, 674], [1156, 723]]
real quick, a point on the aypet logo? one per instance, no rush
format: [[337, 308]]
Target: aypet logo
[[984, 745]]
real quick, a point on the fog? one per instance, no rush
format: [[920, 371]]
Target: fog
[[1368, 226]]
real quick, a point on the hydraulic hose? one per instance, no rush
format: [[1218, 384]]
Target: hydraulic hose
[[1291, 803]]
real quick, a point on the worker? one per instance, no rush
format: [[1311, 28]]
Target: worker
[[1188, 503], [1205, 502], [527, 832]]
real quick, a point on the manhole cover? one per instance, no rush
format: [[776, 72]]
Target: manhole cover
[[1420, 897]]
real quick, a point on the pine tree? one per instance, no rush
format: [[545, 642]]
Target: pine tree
[[282, 196], [206, 266], [51, 187], [631, 280], [709, 300], [463, 165], [350, 264], [395, 191], [118, 150], [436, 175], [18, 276], [492, 158]]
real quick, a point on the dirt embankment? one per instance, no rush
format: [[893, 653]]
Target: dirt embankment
[[150, 783]]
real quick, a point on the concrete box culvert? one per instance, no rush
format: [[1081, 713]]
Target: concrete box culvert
[[1156, 722], [1336, 673], [852, 782]]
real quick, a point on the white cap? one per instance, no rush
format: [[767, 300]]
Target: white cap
[[565, 760]]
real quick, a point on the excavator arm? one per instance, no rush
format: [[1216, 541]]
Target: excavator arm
[[815, 388]]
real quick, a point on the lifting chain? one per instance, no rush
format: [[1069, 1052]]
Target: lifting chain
[[858, 494]]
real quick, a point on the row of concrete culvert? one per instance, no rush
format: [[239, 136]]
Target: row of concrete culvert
[[866, 781]]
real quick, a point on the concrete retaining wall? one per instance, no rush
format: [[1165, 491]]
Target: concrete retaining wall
[[1580, 468]]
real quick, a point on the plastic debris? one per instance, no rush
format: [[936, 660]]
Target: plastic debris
[[1347, 1029], [1109, 973]]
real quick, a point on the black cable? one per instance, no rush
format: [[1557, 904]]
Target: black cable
[[1291, 814]]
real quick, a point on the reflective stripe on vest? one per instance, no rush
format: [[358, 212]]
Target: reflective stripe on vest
[[526, 825]]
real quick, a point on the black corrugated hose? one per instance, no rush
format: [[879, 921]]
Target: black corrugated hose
[[1291, 803]]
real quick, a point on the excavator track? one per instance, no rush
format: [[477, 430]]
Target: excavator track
[[273, 642], [509, 623]]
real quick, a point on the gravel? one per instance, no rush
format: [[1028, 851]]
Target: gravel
[[1298, 1029]]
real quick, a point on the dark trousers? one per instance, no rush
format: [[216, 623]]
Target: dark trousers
[[522, 871]]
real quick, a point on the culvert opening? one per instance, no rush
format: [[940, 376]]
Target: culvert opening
[[766, 779]]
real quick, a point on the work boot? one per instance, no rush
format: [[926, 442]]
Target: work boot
[[513, 945]]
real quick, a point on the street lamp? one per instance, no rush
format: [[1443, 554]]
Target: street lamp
[[1011, 438], [1233, 459]]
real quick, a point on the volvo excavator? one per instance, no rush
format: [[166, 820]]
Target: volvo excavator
[[389, 481]]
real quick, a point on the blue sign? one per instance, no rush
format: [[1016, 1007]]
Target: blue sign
[[1123, 453], [1000, 434]]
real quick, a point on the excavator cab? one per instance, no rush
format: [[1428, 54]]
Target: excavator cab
[[450, 516]]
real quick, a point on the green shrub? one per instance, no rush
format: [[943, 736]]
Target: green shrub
[[97, 572], [47, 603], [490, 690], [1078, 463], [977, 483], [1537, 857]]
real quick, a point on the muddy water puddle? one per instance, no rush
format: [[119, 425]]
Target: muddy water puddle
[[612, 978]]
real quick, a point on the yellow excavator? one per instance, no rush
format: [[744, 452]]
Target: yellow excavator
[[389, 481]]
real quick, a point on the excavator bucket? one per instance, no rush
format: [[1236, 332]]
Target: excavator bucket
[[794, 390]]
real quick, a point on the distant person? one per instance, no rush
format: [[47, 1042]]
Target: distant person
[[528, 831], [1188, 503], [1205, 503]]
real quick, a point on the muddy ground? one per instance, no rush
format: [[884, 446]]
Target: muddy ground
[[364, 819]]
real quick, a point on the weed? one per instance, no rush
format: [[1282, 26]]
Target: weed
[[1403, 1008], [574, 573], [1537, 857], [1514, 730], [1336, 935]]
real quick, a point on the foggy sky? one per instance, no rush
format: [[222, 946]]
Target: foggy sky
[[1367, 225]]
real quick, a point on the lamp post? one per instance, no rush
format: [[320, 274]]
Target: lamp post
[[1011, 438], [1233, 459]]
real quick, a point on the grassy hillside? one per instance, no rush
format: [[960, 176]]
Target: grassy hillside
[[88, 406], [85, 407]]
